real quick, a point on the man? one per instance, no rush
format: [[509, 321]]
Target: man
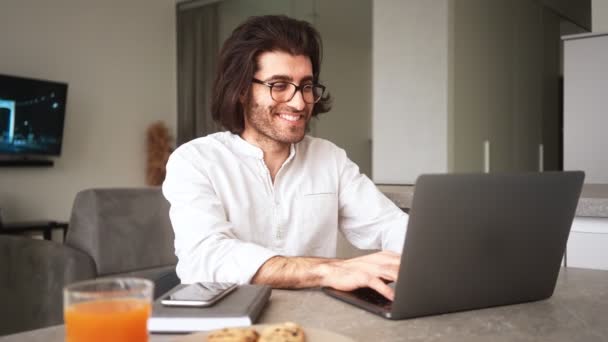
[[263, 202]]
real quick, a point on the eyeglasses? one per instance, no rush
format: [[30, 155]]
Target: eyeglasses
[[283, 91]]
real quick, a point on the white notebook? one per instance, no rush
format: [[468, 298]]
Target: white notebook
[[240, 308]]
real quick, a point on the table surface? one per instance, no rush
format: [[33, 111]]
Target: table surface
[[578, 311]]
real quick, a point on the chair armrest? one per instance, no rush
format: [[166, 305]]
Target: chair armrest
[[164, 282], [32, 276], [164, 277]]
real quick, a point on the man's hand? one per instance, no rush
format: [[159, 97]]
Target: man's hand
[[366, 271]]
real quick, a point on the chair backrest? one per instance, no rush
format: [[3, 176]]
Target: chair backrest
[[122, 229]]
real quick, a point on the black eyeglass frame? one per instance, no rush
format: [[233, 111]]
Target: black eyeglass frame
[[299, 88]]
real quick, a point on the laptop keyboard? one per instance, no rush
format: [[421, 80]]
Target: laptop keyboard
[[372, 296]]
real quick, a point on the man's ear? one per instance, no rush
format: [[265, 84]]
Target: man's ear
[[243, 96], [243, 101]]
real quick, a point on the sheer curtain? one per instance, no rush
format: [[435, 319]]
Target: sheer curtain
[[197, 48]]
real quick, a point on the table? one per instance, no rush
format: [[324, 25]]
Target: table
[[578, 311], [46, 227]]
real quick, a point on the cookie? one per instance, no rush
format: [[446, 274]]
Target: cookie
[[233, 335], [286, 332]]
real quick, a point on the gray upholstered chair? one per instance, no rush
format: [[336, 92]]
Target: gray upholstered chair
[[112, 232], [32, 275]]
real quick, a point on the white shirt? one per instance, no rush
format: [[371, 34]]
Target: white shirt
[[229, 217]]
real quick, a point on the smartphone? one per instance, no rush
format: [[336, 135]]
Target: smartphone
[[198, 294]]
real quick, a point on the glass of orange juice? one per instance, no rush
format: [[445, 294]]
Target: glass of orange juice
[[110, 309]]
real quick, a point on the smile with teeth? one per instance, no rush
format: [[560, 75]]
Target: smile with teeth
[[290, 117]]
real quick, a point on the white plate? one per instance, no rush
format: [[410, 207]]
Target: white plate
[[312, 335]]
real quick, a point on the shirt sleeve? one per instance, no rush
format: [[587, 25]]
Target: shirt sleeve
[[205, 244], [368, 219]]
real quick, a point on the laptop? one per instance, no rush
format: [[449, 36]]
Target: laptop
[[478, 240]]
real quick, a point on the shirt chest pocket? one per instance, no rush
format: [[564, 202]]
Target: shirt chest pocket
[[318, 211]]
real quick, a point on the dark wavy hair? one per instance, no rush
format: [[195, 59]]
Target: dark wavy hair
[[237, 63]]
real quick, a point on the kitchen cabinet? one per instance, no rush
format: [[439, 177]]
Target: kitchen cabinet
[[465, 89], [588, 240], [588, 243]]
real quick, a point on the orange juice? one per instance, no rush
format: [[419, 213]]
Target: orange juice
[[113, 320]]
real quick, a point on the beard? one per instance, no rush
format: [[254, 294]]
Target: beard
[[269, 127]]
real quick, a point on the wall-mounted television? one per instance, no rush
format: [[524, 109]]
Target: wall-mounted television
[[32, 114]]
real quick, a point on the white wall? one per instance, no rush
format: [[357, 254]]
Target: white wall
[[599, 15], [409, 89], [119, 60]]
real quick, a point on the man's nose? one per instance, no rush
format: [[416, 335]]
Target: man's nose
[[297, 101]]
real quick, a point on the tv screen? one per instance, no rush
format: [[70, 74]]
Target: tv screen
[[31, 116]]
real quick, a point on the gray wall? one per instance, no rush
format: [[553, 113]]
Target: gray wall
[[346, 71], [119, 60]]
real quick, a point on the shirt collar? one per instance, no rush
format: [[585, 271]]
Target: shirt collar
[[292, 153], [246, 148], [251, 150]]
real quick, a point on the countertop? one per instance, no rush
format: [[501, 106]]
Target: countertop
[[578, 311], [592, 203]]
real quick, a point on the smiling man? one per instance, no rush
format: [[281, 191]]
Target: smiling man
[[263, 202]]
